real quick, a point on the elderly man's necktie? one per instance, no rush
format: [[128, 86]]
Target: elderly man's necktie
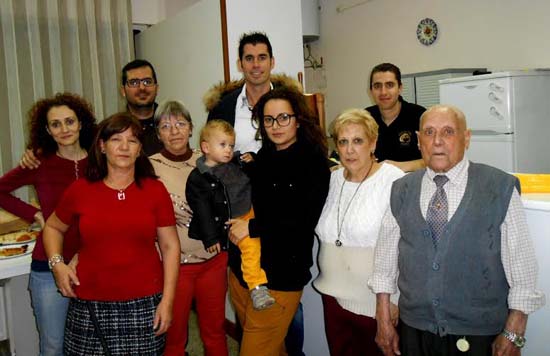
[[438, 209]]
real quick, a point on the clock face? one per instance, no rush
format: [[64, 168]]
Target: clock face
[[426, 31]]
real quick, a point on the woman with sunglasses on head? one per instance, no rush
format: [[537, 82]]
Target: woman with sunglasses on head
[[122, 293], [61, 130], [290, 179]]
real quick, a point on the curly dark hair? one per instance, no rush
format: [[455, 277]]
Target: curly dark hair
[[40, 141], [97, 162], [309, 130]]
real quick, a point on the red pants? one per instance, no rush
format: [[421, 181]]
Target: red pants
[[207, 283], [348, 333]]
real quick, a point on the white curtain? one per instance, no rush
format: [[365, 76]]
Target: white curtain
[[50, 46]]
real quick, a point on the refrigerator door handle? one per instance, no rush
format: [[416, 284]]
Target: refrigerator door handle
[[489, 133], [494, 111], [492, 96]]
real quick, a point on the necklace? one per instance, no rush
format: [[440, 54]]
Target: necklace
[[75, 160], [121, 194], [340, 224]]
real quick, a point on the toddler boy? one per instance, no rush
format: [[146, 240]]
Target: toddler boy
[[217, 190]]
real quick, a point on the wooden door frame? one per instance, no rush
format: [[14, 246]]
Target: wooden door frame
[[223, 14]]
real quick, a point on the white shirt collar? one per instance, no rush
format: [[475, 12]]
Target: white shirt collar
[[243, 100], [455, 174]]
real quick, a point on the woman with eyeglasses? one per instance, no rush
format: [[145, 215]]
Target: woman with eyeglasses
[[290, 179], [122, 292], [202, 275], [61, 131]]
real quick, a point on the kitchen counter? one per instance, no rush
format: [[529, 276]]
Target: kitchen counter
[[536, 201], [20, 330], [14, 267]]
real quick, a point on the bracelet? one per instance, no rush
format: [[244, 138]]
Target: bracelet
[[55, 259]]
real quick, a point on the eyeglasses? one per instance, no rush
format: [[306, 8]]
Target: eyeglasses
[[135, 82], [167, 126], [282, 119]]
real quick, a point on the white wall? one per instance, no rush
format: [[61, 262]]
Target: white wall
[[149, 12], [282, 22], [186, 51], [496, 34]]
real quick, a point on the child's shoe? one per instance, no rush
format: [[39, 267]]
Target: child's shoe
[[261, 299]]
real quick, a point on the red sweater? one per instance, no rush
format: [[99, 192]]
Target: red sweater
[[50, 180], [118, 259]]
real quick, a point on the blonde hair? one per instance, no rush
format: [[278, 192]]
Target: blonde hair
[[213, 126], [355, 116]]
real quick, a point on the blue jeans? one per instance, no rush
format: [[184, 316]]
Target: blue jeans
[[294, 341], [50, 311]]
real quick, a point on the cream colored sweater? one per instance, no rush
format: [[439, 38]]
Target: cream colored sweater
[[174, 176], [345, 270]]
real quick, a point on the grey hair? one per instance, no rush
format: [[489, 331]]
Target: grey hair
[[459, 115], [172, 108]]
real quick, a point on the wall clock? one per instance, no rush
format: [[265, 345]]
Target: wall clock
[[426, 31]]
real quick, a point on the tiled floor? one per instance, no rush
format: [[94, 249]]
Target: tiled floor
[[195, 348]]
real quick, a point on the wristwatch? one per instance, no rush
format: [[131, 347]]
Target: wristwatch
[[55, 259], [517, 340]]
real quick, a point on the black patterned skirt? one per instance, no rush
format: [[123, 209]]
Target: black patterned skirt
[[127, 328]]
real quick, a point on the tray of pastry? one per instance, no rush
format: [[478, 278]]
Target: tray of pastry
[[15, 250], [18, 237]]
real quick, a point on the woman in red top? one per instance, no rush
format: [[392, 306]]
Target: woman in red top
[[61, 131], [122, 292]]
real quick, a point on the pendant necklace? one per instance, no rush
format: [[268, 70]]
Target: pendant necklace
[[121, 194], [340, 224]]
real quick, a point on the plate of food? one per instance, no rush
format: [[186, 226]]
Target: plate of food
[[13, 251], [18, 237]]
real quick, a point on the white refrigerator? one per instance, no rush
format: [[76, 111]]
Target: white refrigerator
[[509, 115]]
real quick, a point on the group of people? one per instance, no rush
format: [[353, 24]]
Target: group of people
[[434, 262]]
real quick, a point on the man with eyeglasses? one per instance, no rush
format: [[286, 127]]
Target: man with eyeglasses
[[455, 241], [397, 119], [140, 87]]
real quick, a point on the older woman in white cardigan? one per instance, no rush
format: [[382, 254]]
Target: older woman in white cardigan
[[348, 230]]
